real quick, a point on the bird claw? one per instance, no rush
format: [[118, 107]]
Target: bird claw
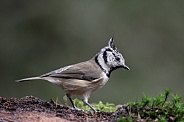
[[78, 109]]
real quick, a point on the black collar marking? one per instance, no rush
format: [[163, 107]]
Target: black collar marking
[[96, 60]]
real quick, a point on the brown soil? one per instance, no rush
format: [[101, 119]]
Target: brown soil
[[31, 109]]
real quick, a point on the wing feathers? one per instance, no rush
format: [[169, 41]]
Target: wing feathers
[[74, 76], [88, 70]]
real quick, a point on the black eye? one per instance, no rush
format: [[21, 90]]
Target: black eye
[[117, 59]]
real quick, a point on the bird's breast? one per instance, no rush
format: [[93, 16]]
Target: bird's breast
[[104, 79], [101, 82]]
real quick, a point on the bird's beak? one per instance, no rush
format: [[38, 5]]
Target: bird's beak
[[125, 67]]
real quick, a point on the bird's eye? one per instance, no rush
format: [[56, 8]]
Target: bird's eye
[[117, 59]]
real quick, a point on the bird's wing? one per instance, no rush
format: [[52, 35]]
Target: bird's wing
[[78, 71], [79, 76]]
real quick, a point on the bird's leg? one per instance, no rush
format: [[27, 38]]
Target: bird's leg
[[85, 101], [73, 105]]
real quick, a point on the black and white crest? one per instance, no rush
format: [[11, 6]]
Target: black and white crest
[[109, 58]]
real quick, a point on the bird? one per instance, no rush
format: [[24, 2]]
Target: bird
[[83, 78]]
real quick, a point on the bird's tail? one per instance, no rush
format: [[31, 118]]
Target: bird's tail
[[28, 79]]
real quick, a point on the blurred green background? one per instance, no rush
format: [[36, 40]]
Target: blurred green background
[[40, 36]]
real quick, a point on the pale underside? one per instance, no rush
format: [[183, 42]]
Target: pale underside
[[79, 87]]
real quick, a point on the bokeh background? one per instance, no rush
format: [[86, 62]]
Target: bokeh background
[[40, 36]]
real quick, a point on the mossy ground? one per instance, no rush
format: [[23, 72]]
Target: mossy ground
[[164, 107]]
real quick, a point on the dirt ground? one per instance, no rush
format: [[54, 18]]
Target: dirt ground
[[32, 109]]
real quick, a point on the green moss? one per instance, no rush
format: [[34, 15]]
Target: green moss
[[157, 108], [107, 107]]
